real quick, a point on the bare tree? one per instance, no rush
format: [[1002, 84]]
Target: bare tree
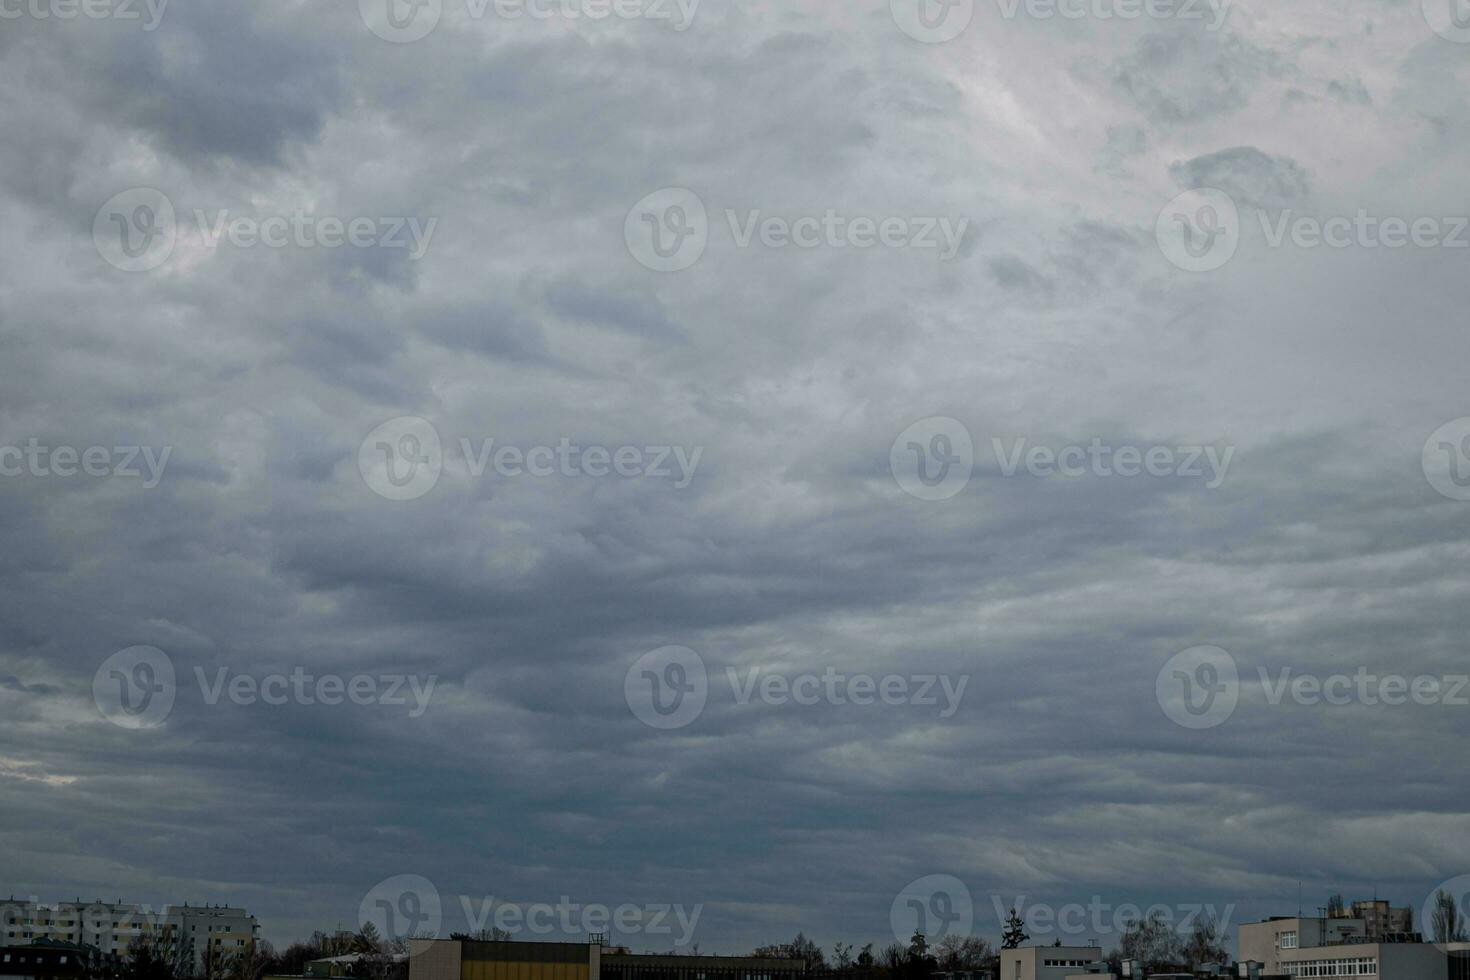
[[1447, 923], [1205, 944], [1153, 942], [963, 953]]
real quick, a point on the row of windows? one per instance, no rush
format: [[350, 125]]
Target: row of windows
[[1067, 962], [1364, 966]]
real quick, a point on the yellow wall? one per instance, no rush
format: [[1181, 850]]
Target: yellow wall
[[521, 970]]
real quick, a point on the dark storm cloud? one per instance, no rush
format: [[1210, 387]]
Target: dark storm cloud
[[1248, 175], [791, 549]]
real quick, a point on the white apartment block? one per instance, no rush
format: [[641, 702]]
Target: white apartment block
[[112, 926]]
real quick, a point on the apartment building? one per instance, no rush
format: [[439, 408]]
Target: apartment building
[[113, 926], [1381, 920]]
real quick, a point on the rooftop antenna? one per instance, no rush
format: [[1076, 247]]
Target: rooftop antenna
[[1298, 898]]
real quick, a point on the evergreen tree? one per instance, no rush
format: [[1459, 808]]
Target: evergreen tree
[[1015, 932]]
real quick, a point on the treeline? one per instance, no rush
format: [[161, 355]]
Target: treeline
[[1153, 941], [165, 957]]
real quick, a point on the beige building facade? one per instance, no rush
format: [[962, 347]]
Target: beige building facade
[[1047, 962]]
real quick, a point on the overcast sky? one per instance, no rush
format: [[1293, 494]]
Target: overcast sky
[[1002, 268]]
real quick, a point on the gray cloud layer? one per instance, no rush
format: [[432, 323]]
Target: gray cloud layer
[[527, 320]]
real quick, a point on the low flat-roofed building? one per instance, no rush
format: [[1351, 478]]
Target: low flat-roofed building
[[468, 959], [1387, 961], [1264, 942], [1047, 962], [648, 966], [51, 959]]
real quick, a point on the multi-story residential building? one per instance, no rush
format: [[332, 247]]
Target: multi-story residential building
[[113, 926], [1381, 920]]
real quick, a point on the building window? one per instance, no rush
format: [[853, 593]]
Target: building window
[[1287, 940]]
